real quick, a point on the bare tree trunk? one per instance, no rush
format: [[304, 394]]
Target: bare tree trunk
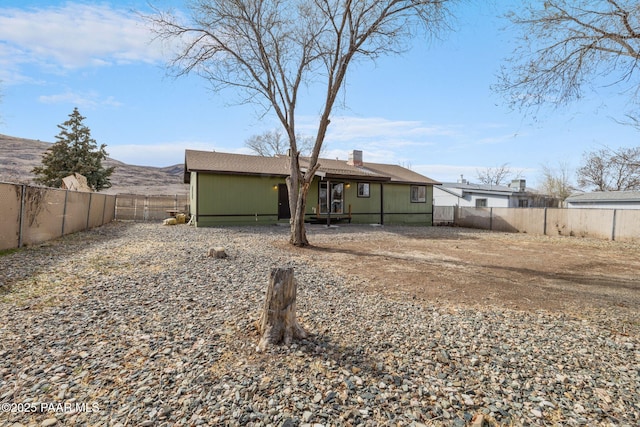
[[298, 231], [298, 188], [278, 323]]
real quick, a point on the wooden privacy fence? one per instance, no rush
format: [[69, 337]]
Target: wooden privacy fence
[[614, 224], [32, 215], [137, 207]]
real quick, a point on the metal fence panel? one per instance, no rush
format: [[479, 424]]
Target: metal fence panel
[[10, 205], [33, 214], [616, 224]]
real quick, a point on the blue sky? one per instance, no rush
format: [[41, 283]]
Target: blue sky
[[431, 109]]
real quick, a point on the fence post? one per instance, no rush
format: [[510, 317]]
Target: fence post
[[23, 194], [64, 210], [491, 219], [613, 225], [89, 210], [544, 226], [104, 207]]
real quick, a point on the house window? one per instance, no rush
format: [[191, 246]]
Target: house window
[[418, 194], [332, 197], [481, 203], [523, 203], [363, 189]]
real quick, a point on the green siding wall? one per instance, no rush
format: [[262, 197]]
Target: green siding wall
[[398, 208], [238, 199], [364, 210]]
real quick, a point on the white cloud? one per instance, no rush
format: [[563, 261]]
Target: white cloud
[[147, 155], [88, 99], [75, 35], [159, 155], [373, 129]]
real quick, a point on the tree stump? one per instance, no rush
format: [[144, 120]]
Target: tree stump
[[278, 323]]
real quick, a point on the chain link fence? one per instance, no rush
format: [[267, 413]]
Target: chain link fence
[[135, 207]]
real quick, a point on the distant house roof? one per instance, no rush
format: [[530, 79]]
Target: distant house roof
[[605, 197], [242, 164]]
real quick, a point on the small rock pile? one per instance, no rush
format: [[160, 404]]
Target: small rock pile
[[132, 324]]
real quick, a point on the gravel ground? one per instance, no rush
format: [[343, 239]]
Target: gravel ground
[[132, 324]]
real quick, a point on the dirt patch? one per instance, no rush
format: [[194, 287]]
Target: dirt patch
[[484, 269]]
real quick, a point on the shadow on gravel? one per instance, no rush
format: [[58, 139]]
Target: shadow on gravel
[[412, 232], [41, 256], [345, 356]]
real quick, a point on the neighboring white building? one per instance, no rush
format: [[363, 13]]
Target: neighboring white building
[[605, 200], [465, 194]]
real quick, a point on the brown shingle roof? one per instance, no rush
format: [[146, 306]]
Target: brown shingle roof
[[398, 173], [341, 169], [211, 161]]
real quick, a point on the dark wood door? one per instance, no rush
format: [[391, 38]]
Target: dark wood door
[[283, 202]]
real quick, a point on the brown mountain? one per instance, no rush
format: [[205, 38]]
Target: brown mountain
[[18, 156]]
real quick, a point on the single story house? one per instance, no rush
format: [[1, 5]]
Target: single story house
[[246, 189], [605, 200], [465, 194]]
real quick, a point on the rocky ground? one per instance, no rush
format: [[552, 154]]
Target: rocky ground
[[132, 324]]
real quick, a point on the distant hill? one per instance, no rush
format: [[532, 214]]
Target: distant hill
[[18, 156]]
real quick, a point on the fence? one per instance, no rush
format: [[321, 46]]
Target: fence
[[149, 208], [443, 215], [614, 224], [32, 215]]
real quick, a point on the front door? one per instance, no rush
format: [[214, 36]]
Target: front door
[[283, 202]]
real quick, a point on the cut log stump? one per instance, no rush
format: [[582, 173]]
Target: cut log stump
[[278, 323]]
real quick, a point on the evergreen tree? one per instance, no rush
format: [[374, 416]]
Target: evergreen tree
[[74, 152]]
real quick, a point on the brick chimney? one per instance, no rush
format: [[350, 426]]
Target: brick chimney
[[355, 158]]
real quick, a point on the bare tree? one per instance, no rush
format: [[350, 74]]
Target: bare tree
[[556, 182], [611, 170], [495, 176], [567, 44], [268, 49], [271, 143], [267, 144]]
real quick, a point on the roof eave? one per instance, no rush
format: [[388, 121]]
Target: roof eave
[[244, 173], [361, 178]]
